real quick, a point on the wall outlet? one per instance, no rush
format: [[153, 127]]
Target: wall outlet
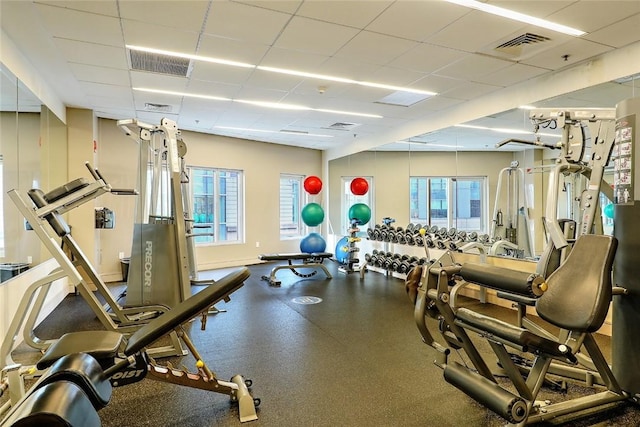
[[29, 259], [120, 255], [257, 244]]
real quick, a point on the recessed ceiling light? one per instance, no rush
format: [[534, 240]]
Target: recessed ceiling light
[[298, 133], [258, 103], [517, 16], [402, 99], [298, 73], [506, 130]]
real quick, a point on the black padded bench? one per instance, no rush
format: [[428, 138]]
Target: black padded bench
[[68, 394], [305, 260], [136, 365]]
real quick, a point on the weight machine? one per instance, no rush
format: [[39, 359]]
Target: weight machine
[[163, 259], [575, 297]]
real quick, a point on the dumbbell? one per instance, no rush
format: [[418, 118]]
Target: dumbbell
[[473, 236], [388, 261], [397, 262], [370, 234]]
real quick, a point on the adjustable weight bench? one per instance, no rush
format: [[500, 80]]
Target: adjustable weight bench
[[307, 260], [132, 364]]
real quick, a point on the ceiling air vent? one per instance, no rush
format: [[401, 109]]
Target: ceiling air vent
[[158, 108], [157, 63], [343, 126], [516, 45]]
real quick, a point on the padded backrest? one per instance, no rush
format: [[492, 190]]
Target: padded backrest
[[580, 289], [185, 311], [56, 221]]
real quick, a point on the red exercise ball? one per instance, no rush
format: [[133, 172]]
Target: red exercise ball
[[312, 184], [359, 186]]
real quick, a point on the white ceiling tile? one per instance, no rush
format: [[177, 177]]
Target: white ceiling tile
[[427, 58], [101, 102], [471, 91], [351, 13], [210, 72], [287, 6], [91, 73], [375, 48], [312, 87], [258, 25], [577, 49], [106, 90], [183, 14], [433, 104], [83, 26], [620, 34], [474, 31], [234, 50], [104, 7], [396, 76], [274, 81], [158, 81], [224, 90], [92, 54], [348, 68], [416, 20], [472, 67], [510, 75], [159, 37], [293, 59], [313, 36], [593, 15], [256, 93], [438, 84]]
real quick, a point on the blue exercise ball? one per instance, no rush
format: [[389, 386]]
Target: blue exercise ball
[[313, 243], [342, 250]]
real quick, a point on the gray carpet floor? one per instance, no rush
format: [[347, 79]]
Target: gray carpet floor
[[354, 359]]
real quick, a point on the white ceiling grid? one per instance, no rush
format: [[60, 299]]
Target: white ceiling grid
[[432, 45]]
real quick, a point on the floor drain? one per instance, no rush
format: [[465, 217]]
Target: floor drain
[[306, 300]]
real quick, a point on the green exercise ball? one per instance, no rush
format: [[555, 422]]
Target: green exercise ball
[[312, 214], [360, 212], [608, 210]]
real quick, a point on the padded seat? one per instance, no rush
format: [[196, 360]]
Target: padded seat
[[65, 189], [295, 256], [102, 345]]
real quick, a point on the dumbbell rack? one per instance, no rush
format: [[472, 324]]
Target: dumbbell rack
[[351, 265]]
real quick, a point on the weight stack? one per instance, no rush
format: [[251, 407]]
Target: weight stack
[[625, 341]]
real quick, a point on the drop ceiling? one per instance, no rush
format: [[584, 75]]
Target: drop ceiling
[[80, 50]]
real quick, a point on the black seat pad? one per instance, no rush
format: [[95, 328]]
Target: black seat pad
[[297, 256], [102, 345]]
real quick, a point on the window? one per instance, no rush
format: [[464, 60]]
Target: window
[[349, 199], [217, 204], [291, 201], [449, 202]]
